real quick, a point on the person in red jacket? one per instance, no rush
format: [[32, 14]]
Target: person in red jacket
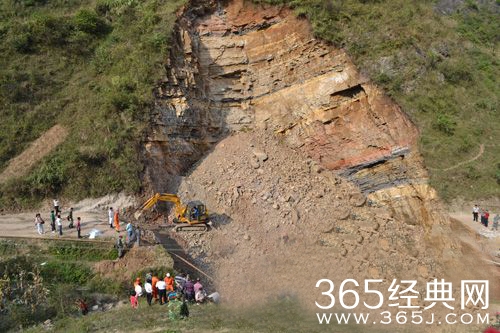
[[486, 217], [79, 226], [133, 300]]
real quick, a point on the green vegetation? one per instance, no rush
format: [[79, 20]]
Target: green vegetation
[[81, 251], [283, 316], [40, 281], [442, 69], [90, 66]]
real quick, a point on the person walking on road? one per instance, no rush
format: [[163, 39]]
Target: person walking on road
[[56, 206], [111, 216], [79, 226], [119, 246], [70, 218], [486, 218], [59, 224], [475, 213], [137, 236], [130, 231], [53, 221], [117, 221], [39, 222], [496, 219]]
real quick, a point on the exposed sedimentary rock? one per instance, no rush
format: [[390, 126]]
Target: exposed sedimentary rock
[[243, 66], [239, 67]]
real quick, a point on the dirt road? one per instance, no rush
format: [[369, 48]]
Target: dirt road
[[93, 213]]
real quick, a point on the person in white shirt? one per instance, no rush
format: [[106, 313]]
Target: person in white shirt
[[200, 295], [59, 224], [56, 206], [39, 223], [475, 213], [138, 290], [148, 288], [111, 215], [162, 291]]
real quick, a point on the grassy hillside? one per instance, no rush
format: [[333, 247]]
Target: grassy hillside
[[42, 279], [440, 63], [90, 66]]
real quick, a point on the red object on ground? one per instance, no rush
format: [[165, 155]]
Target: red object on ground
[[491, 330]]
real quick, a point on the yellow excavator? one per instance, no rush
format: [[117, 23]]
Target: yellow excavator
[[191, 217]]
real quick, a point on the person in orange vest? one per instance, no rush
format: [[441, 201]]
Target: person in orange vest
[[117, 221], [170, 282], [154, 280]]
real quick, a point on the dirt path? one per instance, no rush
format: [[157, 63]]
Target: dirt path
[[41, 147], [22, 225], [92, 211], [481, 151], [486, 240]]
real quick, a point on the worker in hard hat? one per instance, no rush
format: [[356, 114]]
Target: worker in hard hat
[[169, 280]]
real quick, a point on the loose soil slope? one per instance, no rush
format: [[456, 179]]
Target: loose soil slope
[[292, 223]]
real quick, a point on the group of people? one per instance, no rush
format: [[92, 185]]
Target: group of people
[[170, 289], [56, 222], [485, 217]]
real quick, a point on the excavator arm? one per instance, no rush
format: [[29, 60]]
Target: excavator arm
[[154, 199]]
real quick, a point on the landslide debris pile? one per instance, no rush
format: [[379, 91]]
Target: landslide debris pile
[[283, 222]]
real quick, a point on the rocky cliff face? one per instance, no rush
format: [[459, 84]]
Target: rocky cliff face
[[344, 183], [241, 66]]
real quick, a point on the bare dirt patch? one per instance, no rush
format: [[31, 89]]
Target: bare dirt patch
[[41, 147], [134, 260]]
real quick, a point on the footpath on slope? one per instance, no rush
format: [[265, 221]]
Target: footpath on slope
[[38, 149], [485, 239], [481, 152]]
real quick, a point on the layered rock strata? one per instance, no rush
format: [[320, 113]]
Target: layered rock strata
[[241, 66]]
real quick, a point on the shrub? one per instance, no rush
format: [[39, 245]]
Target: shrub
[[49, 178], [472, 173], [89, 22], [24, 42], [66, 272], [445, 124]]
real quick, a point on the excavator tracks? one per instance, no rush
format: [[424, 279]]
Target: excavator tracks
[[191, 227]]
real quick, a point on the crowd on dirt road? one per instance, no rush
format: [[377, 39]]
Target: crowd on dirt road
[[56, 221], [59, 222], [485, 217]]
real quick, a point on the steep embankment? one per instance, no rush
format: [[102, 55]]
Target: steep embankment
[[318, 174]]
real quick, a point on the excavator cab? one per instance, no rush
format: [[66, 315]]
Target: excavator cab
[[196, 212]]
